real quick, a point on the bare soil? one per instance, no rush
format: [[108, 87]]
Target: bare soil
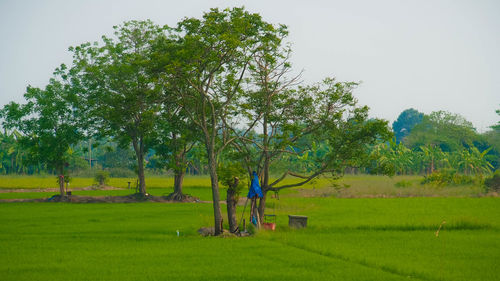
[[104, 187], [134, 198]]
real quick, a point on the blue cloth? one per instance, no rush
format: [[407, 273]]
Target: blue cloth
[[255, 187]]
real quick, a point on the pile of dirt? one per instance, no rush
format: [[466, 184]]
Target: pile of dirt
[[104, 187], [133, 198], [210, 231]]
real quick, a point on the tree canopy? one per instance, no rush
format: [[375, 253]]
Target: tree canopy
[[48, 123], [406, 121], [449, 131], [121, 93]]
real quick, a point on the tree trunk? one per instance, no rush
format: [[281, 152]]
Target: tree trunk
[[177, 195], [265, 170], [61, 182], [232, 200], [262, 203], [212, 167], [142, 183], [139, 152]]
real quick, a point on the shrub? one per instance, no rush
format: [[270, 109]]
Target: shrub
[[403, 183], [446, 177], [101, 177], [121, 173], [227, 173], [493, 183]]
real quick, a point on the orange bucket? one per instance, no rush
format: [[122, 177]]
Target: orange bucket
[[269, 225]]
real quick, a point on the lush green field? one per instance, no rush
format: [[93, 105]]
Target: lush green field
[[346, 239]]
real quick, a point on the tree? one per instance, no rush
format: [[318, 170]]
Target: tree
[[393, 158], [474, 162], [12, 154], [173, 141], [432, 157], [406, 121], [294, 123], [117, 82], [451, 132], [206, 63], [497, 126], [48, 124]]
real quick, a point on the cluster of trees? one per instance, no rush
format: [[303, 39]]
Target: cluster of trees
[[216, 96], [219, 87], [424, 144]]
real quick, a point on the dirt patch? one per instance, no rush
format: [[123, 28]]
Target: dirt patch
[[105, 187], [210, 231], [134, 198]]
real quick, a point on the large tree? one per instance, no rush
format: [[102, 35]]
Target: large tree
[[451, 132], [321, 125], [206, 63], [175, 137], [406, 121], [122, 94], [48, 124]]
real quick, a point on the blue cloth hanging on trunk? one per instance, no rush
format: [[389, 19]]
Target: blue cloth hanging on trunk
[[255, 187]]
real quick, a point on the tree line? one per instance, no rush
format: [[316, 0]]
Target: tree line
[[424, 144]]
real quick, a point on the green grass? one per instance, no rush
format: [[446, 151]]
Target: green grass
[[346, 239]]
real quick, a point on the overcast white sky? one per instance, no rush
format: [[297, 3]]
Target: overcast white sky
[[428, 55]]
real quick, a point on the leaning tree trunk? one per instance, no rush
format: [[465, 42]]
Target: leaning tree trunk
[[232, 200]]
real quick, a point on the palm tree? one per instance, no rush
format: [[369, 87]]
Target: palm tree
[[432, 156], [474, 162]]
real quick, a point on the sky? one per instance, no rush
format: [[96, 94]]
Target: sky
[[428, 55]]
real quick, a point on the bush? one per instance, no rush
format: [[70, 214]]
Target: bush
[[493, 183], [403, 183], [227, 173], [446, 177], [121, 173], [101, 177]]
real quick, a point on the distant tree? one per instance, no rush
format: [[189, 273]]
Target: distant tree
[[48, 124], [393, 157], [12, 154], [492, 139], [406, 121], [451, 132], [497, 126], [116, 80], [474, 162]]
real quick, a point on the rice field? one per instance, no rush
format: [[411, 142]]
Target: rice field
[[346, 238]]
